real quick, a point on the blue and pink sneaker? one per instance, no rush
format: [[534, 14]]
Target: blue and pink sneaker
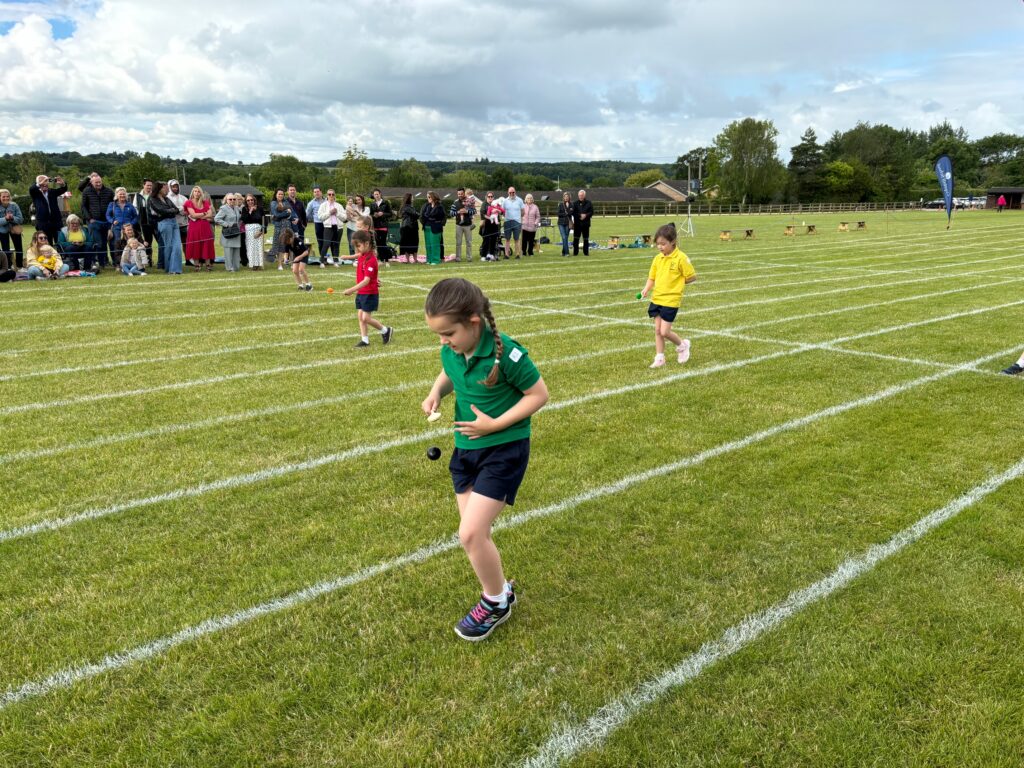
[[485, 616]]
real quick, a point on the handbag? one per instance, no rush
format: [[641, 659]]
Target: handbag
[[231, 230]]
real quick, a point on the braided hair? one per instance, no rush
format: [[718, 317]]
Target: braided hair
[[459, 299]]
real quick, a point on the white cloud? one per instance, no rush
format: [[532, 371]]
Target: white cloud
[[532, 80]]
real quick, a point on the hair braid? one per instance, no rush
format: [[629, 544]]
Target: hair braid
[[499, 348]]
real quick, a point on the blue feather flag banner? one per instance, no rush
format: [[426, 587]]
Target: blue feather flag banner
[[944, 172]]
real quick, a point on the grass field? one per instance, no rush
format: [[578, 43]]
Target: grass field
[[222, 544]]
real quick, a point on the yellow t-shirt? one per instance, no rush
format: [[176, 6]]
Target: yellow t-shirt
[[670, 274], [76, 236]]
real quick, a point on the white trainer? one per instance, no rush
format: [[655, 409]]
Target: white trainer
[[659, 360], [683, 351]]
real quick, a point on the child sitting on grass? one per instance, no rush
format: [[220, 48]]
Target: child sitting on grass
[[133, 258]]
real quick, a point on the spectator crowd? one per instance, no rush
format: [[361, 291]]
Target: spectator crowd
[[159, 227]]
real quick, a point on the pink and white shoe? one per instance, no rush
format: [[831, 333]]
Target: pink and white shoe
[[659, 360], [683, 351]]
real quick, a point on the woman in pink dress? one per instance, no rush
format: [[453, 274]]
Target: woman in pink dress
[[199, 247]]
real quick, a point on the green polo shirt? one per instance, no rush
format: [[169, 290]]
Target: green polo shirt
[[518, 373]]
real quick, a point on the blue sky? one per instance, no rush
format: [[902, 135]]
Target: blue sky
[[530, 80]]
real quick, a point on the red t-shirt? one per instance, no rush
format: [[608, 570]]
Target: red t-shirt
[[366, 266]]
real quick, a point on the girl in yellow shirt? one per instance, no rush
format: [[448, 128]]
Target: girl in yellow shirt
[[670, 273]]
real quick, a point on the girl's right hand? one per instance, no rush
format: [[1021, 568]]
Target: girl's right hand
[[431, 404]]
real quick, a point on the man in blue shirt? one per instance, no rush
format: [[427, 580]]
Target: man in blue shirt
[[513, 219]]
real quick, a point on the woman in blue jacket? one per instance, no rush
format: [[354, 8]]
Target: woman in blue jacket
[[121, 212]]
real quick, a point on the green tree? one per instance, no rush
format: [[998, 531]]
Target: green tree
[[643, 178], [280, 171], [409, 173], [531, 181], [137, 168], [805, 169], [999, 148], [699, 160], [475, 180], [891, 156], [501, 178], [944, 139], [750, 170], [848, 181], [355, 173]]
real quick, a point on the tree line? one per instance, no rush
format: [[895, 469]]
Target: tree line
[[863, 164]]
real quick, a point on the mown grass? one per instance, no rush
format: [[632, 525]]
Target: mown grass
[[915, 663]]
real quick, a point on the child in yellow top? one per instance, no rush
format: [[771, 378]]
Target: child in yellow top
[[670, 273]]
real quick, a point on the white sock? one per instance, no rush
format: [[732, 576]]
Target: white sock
[[366, 339], [659, 356], [501, 599], [383, 330], [1020, 361]]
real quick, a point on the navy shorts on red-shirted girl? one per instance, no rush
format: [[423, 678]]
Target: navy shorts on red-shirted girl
[[368, 302], [495, 472]]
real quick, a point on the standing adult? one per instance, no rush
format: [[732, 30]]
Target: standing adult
[[531, 223], [312, 212], [408, 231], [355, 208], [146, 229], [331, 218], [565, 221], [463, 212], [179, 200], [164, 213], [230, 220], [298, 219], [490, 228], [433, 218], [199, 248], [380, 212], [513, 207], [47, 203], [1000, 203], [119, 213], [96, 198], [582, 213], [252, 218], [11, 220], [281, 214]]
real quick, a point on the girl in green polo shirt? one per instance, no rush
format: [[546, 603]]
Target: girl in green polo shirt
[[497, 389]]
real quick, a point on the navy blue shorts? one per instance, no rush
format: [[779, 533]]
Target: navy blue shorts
[[368, 302], [668, 314], [495, 472]]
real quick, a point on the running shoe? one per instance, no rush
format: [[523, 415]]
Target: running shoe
[[683, 351], [482, 619]]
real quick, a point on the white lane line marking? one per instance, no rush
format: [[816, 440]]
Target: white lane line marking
[[69, 676], [568, 741], [176, 427]]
